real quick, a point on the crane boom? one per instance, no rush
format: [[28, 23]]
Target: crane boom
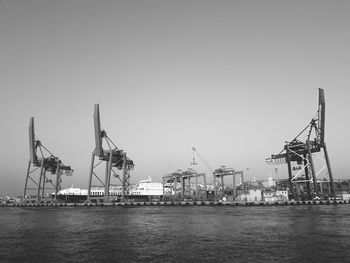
[[203, 160]]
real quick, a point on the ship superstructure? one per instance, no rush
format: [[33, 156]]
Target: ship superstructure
[[148, 188]]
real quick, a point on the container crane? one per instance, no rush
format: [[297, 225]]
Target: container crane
[[301, 152], [42, 160], [112, 157], [220, 173]]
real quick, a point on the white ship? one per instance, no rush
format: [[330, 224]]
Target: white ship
[[74, 194], [95, 191], [147, 188]]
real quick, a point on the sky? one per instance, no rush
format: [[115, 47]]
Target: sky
[[235, 79]]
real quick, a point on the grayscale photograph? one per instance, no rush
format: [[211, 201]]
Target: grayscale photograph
[[174, 131]]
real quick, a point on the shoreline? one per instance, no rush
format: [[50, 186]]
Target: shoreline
[[179, 203]]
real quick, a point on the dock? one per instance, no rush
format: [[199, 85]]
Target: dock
[[179, 203]]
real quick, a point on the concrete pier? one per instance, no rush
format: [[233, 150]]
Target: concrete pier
[[178, 203]]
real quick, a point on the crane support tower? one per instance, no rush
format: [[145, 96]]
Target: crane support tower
[[113, 158], [301, 152], [181, 177], [219, 173], [37, 181], [224, 171]]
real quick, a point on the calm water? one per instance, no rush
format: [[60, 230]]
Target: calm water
[[175, 234]]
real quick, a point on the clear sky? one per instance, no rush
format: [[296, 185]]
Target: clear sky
[[235, 79]]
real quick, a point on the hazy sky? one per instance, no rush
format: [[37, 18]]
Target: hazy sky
[[235, 79]]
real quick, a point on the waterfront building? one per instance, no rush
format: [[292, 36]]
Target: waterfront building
[[342, 195], [250, 196], [283, 194], [275, 196], [269, 183], [269, 196]]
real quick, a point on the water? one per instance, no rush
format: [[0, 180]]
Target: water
[[175, 234]]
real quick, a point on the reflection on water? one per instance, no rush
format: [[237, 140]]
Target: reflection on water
[[175, 234]]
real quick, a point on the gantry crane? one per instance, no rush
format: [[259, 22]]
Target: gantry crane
[[46, 161], [181, 177], [302, 152], [219, 173], [113, 157], [226, 171]]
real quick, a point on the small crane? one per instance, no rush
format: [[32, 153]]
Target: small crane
[[194, 150], [193, 159]]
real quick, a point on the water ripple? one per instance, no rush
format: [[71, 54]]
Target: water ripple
[[175, 234]]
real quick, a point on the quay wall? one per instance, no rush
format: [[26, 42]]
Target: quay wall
[[177, 203]]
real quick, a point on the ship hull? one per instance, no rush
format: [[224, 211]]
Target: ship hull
[[83, 198]]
